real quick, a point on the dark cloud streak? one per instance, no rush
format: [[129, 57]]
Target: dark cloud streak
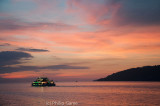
[[5, 44], [37, 68], [12, 57], [32, 50]]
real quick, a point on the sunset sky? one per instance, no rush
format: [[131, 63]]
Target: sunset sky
[[68, 40]]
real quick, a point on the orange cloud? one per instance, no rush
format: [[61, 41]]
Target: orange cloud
[[22, 74]]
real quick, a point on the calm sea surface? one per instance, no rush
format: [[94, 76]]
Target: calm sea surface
[[81, 94]]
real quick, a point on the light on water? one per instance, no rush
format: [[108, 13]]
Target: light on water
[[81, 94]]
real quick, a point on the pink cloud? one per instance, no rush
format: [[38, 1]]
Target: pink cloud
[[94, 12]]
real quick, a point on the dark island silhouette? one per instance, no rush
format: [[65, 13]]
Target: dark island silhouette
[[146, 73]]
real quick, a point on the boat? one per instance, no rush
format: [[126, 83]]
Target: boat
[[43, 81]]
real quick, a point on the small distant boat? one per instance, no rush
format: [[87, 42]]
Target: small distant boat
[[43, 81]]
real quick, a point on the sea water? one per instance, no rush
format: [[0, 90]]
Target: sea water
[[81, 94]]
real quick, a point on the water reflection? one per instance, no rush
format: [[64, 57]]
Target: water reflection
[[84, 93]]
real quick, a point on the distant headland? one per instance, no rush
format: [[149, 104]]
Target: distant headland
[[146, 73]]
